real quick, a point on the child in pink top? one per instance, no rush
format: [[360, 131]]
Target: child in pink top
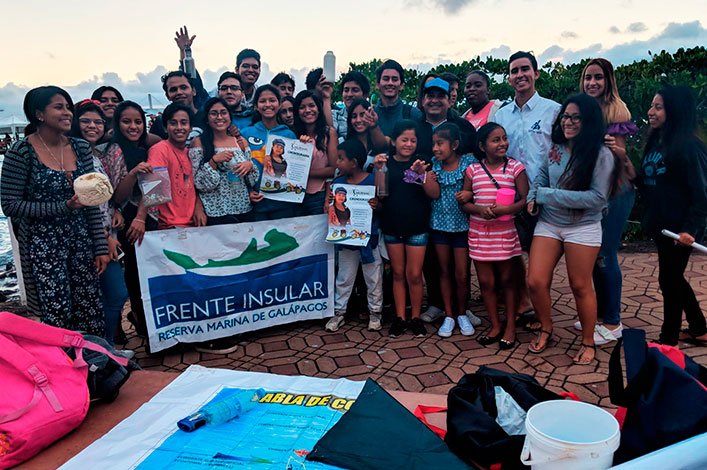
[[493, 242]]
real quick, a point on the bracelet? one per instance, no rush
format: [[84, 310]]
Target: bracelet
[[139, 220]]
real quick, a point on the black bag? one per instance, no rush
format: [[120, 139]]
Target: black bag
[[524, 222], [472, 431], [665, 403], [105, 375]]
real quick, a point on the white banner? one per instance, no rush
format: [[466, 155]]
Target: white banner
[[212, 282]]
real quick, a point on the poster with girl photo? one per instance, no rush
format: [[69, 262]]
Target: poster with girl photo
[[350, 214], [285, 169]]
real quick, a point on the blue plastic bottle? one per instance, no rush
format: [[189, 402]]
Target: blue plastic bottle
[[222, 411]]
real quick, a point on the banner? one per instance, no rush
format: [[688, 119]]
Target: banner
[[286, 169], [205, 283], [350, 214], [279, 432]]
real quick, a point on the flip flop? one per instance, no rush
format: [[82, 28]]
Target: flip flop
[[582, 349], [538, 350]]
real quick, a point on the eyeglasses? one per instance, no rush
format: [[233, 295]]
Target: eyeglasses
[[233, 88], [222, 112], [573, 118], [95, 122]]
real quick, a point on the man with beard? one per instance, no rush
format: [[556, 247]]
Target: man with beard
[[178, 88]]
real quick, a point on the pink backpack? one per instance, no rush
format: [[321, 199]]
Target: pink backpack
[[44, 392]]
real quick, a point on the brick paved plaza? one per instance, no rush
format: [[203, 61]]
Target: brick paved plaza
[[433, 364]]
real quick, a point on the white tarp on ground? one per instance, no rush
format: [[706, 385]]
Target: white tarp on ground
[[131, 442]]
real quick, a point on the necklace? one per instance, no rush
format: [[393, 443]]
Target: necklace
[[56, 160]]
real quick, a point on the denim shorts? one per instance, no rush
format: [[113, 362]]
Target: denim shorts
[[455, 239], [419, 239]]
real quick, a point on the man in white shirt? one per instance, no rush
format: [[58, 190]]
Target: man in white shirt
[[529, 117], [528, 122]]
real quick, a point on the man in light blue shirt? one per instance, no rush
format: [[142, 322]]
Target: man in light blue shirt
[[529, 117]]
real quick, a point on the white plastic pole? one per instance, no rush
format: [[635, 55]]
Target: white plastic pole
[[675, 236]]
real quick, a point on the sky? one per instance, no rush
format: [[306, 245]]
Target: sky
[[81, 45]]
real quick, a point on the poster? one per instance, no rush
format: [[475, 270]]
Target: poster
[[350, 214], [293, 415], [204, 283], [285, 169]]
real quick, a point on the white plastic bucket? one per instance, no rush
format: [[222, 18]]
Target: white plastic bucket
[[566, 434]]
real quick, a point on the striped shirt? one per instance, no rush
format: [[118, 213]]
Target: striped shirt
[[483, 188]]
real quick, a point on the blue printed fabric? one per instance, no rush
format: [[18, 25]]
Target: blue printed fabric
[[447, 215]]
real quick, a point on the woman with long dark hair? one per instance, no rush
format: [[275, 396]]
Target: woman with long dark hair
[[362, 124], [89, 124], [310, 124], [599, 82], [123, 158], [266, 101], [673, 183], [62, 244], [570, 194], [222, 167]]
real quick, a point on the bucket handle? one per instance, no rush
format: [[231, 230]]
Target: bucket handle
[[526, 459]]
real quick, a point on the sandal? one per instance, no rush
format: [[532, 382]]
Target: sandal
[[582, 351], [485, 340], [534, 348]]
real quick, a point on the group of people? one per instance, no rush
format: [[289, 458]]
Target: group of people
[[488, 184]]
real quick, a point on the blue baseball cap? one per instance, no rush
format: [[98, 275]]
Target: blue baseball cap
[[437, 83]]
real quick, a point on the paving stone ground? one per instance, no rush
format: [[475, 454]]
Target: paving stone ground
[[433, 364]]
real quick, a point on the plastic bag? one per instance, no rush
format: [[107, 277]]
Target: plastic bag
[[156, 188], [511, 417]]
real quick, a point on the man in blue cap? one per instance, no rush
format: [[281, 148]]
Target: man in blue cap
[[436, 105]]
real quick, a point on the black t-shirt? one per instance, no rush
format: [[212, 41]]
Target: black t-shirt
[[406, 210]]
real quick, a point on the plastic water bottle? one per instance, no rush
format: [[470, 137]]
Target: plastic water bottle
[[222, 411], [188, 62], [380, 179], [329, 68]]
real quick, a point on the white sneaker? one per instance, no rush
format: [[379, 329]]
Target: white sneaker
[[603, 335], [465, 325], [473, 319], [431, 314], [334, 323], [447, 328], [126, 353], [578, 325], [374, 322]]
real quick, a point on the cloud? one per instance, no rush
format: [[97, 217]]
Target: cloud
[[636, 27], [673, 37], [450, 7], [140, 89], [568, 35], [614, 30]]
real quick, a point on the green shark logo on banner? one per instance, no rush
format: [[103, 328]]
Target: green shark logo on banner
[[279, 243]]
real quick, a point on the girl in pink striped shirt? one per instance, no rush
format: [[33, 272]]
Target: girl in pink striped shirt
[[493, 241]]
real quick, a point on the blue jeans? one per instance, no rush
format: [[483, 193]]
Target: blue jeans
[[313, 204], [115, 293], [607, 273]]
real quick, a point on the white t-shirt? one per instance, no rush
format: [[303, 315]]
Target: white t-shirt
[[529, 130]]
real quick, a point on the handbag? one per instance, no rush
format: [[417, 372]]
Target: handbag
[[665, 400], [473, 432], [45, 394], [524, 221]]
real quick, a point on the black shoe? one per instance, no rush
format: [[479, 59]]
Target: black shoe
[[417, 327], [398, 327], [485, 340], [504, 344], [218, 346]]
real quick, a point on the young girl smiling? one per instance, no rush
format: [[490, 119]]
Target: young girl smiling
[[493, 241]]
